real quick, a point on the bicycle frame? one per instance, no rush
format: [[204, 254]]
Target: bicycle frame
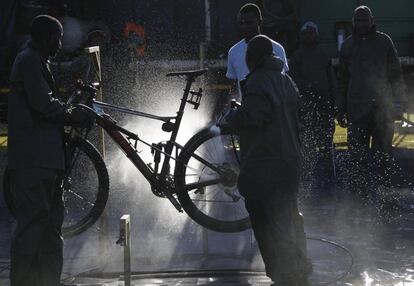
[[121, 136]]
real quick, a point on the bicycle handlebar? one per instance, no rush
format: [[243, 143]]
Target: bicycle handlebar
[[87, 108], [87, 87], [85, 93]]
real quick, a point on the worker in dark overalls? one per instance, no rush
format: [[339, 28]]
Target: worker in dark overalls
[[371, 95], [36, 158], [270, 163]]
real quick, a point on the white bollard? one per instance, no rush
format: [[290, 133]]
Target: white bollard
[[125, 241]]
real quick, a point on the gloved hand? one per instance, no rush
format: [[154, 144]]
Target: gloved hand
[[222, 119], [234, 104], [80, 117], [342, 120], [228, 111]]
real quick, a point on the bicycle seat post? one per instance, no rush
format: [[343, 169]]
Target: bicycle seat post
[[190, 78]]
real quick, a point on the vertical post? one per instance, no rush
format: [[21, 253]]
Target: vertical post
[[205, 240], [95, 74], [203, 54], [207, 23], [95, 60], [125, 241], [207, 33], [202, 58]]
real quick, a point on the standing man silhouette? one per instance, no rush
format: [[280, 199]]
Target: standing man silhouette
[[250, 19]]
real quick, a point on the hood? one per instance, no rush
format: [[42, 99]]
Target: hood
[[270, 62], [370, 33], [273, 63]]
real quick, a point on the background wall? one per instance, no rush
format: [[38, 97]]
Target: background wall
[[396, 18]]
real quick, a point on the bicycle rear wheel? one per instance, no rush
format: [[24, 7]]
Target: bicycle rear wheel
[[85, 188], [211, 158]]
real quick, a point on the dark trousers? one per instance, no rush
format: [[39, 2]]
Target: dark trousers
[[378, 130], [278, 228], [36, 250]]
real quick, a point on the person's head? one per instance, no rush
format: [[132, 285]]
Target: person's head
[[309, 34], [47, 32], [250, 19], [362, 20], [258, 48]]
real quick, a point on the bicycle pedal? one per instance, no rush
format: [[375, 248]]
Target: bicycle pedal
[[200, 191]]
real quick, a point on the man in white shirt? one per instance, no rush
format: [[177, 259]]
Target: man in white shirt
[[250, 19]]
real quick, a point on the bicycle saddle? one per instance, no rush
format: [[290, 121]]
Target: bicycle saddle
[[193, 73]]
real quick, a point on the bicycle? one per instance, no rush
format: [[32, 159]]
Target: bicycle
[[203, 184]]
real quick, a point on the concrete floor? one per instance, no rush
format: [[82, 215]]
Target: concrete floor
[[383, 254], [170, 249]]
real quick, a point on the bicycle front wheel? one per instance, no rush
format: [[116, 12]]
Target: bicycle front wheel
[[206, 180], [85, 187]]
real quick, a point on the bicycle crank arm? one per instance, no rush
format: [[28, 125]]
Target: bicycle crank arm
[[199, 185], [175, 203]]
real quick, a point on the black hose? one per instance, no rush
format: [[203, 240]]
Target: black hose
[[348, 270]]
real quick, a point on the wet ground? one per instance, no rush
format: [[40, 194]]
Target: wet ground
[[376, 250]]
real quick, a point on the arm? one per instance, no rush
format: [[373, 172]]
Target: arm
[[40, 97], [231, 71], [233, 91], [395, 77], [232, 76], [282, 54]]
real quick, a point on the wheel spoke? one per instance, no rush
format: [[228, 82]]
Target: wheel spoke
[[213, 201], [86, 190], [218, 204], [80, 198]]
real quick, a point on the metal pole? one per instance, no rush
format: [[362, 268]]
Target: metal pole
[[125, 241], [207, 26], [207, 33], [202, 54], [95, 59], [94, 56], [203, 46]]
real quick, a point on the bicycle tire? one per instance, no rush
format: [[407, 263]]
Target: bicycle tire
[[88, 157], [222, 205]]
